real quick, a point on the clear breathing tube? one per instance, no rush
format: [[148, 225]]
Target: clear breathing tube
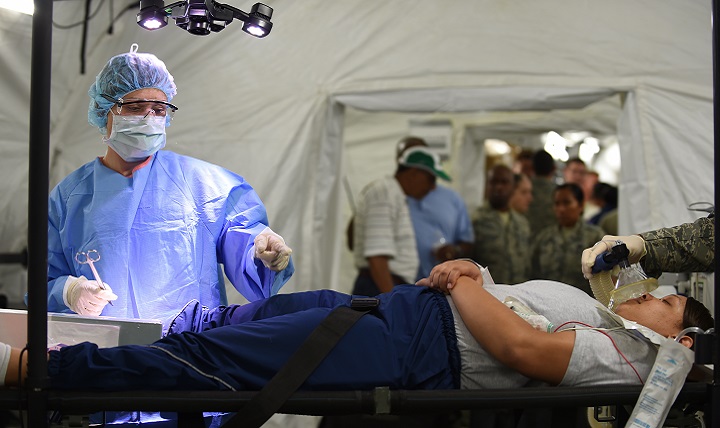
[[602, 285]]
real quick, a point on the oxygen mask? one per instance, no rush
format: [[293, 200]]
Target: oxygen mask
[[631, 280]]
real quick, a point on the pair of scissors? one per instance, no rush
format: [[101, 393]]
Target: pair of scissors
[[89, 258]]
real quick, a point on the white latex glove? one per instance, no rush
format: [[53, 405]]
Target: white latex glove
[[635, 245], [85, 297], [271, 249]]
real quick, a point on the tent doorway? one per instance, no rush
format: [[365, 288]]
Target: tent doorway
[[374, 122]]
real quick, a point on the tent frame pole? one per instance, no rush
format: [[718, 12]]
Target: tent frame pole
[[714, 388], [38, 187]]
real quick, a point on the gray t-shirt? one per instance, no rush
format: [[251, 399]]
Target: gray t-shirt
[[594, 361]]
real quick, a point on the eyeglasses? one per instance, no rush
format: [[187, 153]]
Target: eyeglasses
[[142, 107]]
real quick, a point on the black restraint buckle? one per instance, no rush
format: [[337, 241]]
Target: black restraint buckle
[[364, 303]]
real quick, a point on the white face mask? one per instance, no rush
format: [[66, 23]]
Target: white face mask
[[135, 138]]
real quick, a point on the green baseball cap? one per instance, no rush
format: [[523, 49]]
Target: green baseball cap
[[422, 158]]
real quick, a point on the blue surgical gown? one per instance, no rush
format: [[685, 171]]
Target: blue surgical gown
[[162, 236]]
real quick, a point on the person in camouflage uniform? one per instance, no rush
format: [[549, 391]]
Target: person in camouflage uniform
[[689, 247], [556, 248], [502, 236], [540, 213]]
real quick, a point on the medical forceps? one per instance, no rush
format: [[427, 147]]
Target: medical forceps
[[89, 258]]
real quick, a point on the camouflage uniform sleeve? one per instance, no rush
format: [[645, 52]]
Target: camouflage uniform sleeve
[[689, 247]]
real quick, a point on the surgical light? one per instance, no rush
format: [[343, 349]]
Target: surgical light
[[258, 21], [201, 17], [152, 14]]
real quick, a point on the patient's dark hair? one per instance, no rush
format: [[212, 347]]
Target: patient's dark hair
[[696, 315]]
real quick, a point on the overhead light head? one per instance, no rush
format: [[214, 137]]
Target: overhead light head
[[152, 14], [258, 21], [196, 20], [201, 17]]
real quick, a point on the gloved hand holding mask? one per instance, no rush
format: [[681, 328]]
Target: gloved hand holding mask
[[86, 297], [271, 249], [635, 245]]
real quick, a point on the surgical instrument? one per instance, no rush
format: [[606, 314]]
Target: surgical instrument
[[89, 258]]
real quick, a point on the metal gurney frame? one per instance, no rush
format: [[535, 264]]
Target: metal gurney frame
[[381, 401]]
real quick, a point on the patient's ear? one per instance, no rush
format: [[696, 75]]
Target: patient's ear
[[685, 341]]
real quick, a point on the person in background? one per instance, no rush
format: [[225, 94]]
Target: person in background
[[502, 236], [524, 163], [384, 248], [605, 197], [609, 222], [556, 248], [588, 184], [440, 234], [689, 247], [575, 171], [522, 195], [540, 213]]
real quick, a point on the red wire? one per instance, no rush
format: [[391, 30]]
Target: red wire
[[611, 340]]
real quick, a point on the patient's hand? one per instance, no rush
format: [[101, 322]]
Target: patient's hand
[[443, 276]]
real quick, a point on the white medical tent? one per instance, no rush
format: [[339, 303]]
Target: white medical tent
[[311, 113]]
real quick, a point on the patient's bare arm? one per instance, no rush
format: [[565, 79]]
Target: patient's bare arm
[[11, 376]]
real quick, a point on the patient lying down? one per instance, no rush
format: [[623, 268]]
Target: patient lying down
[[448, 331]]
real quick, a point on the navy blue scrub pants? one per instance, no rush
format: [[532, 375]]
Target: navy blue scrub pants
[[408, 342]]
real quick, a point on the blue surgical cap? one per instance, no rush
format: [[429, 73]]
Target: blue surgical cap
[[123, 74]]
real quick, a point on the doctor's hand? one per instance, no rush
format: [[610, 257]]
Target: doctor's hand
[[443, 276], [634, 243], [86, 297], [271, 249]]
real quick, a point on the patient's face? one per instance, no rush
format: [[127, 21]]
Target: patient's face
[[664, 315]]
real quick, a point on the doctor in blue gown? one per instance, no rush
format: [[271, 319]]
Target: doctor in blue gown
[[163, 224]]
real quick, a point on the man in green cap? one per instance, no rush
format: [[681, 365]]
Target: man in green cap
[[384, 248]]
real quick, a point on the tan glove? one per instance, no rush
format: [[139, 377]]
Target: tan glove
[[271, 249], [635, 245], [86, 297]]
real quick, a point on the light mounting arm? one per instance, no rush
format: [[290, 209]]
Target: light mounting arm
[[201, 17]]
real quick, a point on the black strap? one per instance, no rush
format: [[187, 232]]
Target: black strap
[[301, 364]]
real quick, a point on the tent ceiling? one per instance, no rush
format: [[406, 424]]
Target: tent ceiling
[[475, 99]]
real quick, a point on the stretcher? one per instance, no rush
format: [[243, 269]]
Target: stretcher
[[253, 408]]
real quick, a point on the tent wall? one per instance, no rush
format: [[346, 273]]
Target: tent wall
[[272, 109], [664, 164]]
